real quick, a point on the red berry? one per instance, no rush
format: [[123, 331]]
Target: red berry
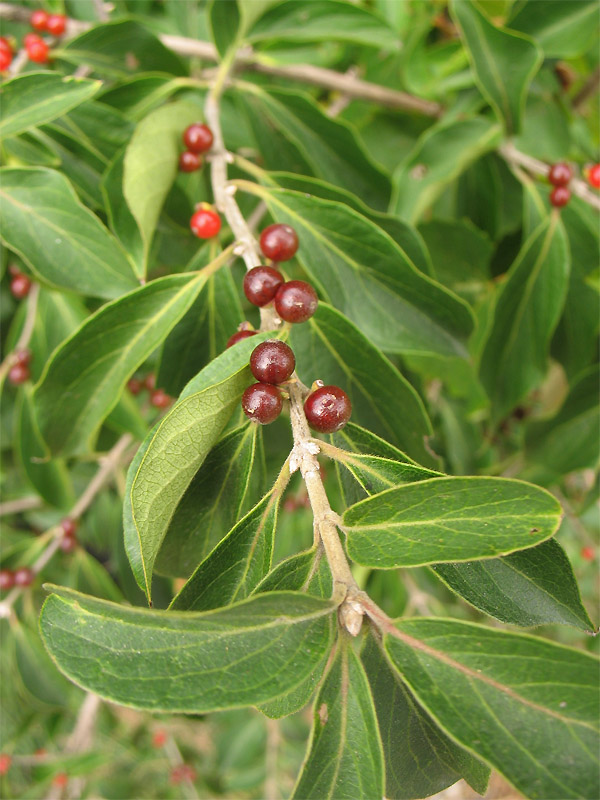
[[327, 409], [272, 362], [20, 286], [29, 38], [24, 576], [159, 738], [39, 19], [560, 196], [7, 580], [135, 385], [198, 138], [262, 403], [19, 373], [5, 762], [261, 284], [593, 176], [189, 162], [38, 51], [60, 780], [588, 553], [150, 381], [237, 337], [560, 174], [22, 356], [6, 54], [205, 223], [56, 24], [160, 399], [296, 301], [279, 242]]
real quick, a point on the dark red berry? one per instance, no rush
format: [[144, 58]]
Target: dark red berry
[[198, 138], [560, 196], [38, 51], [22, 356], [560, 174], [272, 361], [6, 54], [5, 762], [189, 162], [56, 24], [262, 403], [7, 580], [327, 409], [150, 381], [160, 399], [205, 223], [261, 284], [593, 176], [20, 286], [39, 19], [237, 337], [24, 576], [279, 242], [135, 385], [296, 301], [18, 373]]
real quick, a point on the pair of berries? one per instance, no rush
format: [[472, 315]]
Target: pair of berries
[[22, 577], [560, 175], [20, 284], [198, 138], [19, 370], [54, 24], [6, 54]]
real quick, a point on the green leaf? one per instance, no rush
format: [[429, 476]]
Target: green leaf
[[312, 142], [211, 504], [505, 696], [449, 519], [173, 452], [224, 22], [63, 243], [420, 760], [39, 97], [323, 20], [86, 375], [338, 353], [239, 562], [366, 275], [150, 163], [344, 758], [187, 662], [528, 307], [564, 28], [441, 154], [533, 587], [504, 62]]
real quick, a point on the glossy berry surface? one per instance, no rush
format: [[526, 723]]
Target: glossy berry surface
[[296, 301], [237, 337], [160, 399], [560, 174], [560, 196], [279, 242], [205, 223], [20, 286], [262, 403], [24, 576], [198, 138], [272, 362], [38, 51], [327, 409], [7, 580], [6, 54], [593, 176], [261, 285], [18, 373], [56, 24], [39, 19], [189, 162]]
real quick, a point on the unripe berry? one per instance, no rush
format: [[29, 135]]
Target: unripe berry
[[39, 19], [18, 373], [279, 242], [560, 196], [20, 286], [198, 138], [7, 580], [24, 576], [593, 176], [261, 285], [327, 409], [560, 174], [38, 51], [189, 162], [6, 54], [205, 223], [272, 362], [160, 399], [237, 337], [296, 301], [56, 24], [262, 403]]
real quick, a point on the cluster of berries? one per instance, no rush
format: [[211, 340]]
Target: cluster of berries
[[158, 397]]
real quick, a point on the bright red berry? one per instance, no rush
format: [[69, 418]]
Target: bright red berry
[[18, 373], [279, 242], [588, 553], [150, 381], [237, 337], [56, 24], [327, 409], [39, 19], [60, 780], [20, 286], [198, 138], [189, 162], [6, 54], [593, 176], [205, 223], [560, 174], [296, 301], [272, 361], [160, 399], [560, 196], [24, 576], [5, 762], [262, 403], [261, 285], [159, 738], [135, 385], [7, 580], [38, 51]]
